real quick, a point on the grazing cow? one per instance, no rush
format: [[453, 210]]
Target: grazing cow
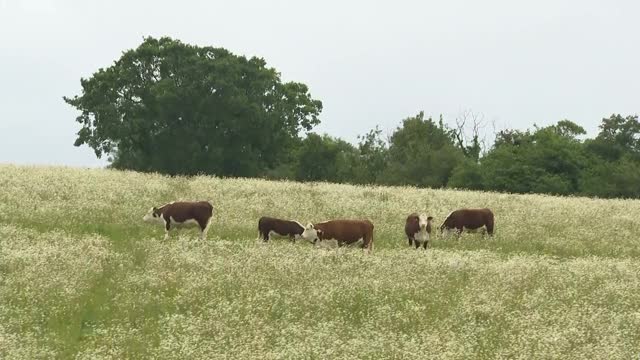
[[418, 229], [268, 225], [471, 219], [182, 214], [344, 231]]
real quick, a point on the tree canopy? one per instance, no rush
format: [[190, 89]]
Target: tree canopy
[[181, 109], [176, 108], [421, 153]]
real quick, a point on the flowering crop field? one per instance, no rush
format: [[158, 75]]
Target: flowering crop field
[[83, 277]]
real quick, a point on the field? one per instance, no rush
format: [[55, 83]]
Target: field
[[81, 276]]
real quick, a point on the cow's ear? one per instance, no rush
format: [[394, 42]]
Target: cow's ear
[[430, 218], [309, 226], [319, 232]]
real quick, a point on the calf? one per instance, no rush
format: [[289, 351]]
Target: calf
[[268, 225], [418, 229], [344, 231], [182, 213], [471, 219]]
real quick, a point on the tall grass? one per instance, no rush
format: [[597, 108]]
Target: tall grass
[[81, 276]]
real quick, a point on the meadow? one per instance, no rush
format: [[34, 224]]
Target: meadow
[[83, 277]]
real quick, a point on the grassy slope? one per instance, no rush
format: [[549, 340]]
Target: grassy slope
[[82, 276]]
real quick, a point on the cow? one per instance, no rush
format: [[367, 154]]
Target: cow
[[343, 231], [268, 226], [182, 214], [418, 229], [471, 219]]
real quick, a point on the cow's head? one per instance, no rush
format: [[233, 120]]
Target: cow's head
[[426, 222], [445, 228], [311, 234], [423, 220], [153, 215]]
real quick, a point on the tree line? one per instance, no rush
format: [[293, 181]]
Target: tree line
[[181, 109]]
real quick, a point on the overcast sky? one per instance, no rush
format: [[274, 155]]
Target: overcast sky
[[370, 62]]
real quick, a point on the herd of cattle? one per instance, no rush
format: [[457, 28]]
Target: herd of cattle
[[417, 227]]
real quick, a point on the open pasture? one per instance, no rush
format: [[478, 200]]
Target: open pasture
[[82, 276]]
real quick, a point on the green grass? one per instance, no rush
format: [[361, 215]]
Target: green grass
[[81, 276]]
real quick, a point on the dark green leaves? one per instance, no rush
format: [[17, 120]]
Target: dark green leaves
[[181, 109]]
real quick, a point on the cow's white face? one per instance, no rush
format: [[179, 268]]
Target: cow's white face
[[310, 233], [153, 216], [422, 221], [425, 222]]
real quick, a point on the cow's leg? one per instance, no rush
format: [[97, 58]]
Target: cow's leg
[[459, 231], [417, 243], [204, 228], [410, 241], [490, 229], [265, 236], [292, 238], [367, 243], [167, 227]]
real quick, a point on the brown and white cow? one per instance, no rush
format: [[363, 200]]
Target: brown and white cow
[[268, 226], [343, 231], [182, 214], [471, 219], [418, 229]]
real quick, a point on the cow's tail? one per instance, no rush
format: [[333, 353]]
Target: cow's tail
[[371, 243], [210, 202], [492, 223]]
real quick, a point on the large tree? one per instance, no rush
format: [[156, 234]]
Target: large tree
[[324, 158], [615, 168], [176, 108], [619, 136], [421, 153], [549, 160]]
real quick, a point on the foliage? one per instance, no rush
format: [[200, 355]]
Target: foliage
[[467, 175], [619, 178], [176, 108], [180, 109], [324, 158], [421, 153], [549, 160], [372, 158], [618, 137]]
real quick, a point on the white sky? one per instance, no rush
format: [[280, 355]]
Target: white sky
[[370, 62]]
